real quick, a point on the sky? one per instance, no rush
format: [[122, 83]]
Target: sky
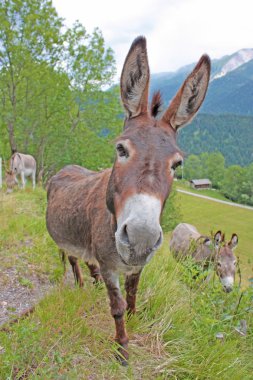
[[178, 32]]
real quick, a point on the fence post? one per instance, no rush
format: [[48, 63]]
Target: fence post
[[1, 181]]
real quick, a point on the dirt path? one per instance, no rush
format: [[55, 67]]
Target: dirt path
[[215, 200], [16, 299]]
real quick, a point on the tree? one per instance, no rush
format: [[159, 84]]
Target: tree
[[193, 167], [215, 168], [52, 82], [231, 185], [29, 34]]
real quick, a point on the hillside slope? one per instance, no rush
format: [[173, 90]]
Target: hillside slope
[[70, 334], [232, 135]]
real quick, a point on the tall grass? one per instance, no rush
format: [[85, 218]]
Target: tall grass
[[172, 336]]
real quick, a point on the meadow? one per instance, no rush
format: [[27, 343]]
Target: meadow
[[183, 329]]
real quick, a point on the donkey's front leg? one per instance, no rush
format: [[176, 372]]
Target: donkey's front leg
[[131, 286], [22, 175], [118, 307]]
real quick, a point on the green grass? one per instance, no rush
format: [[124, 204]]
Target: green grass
[[70, 334], [24, 242]]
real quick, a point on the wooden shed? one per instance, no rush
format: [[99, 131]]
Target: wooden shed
[[201, 183]]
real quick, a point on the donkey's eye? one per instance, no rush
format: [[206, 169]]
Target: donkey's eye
[[176, 164], [219, 264], [122, 151]]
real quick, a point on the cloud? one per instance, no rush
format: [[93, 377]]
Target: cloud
[[178, 31]]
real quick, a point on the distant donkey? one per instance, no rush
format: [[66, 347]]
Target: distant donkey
[[23, 165], [111, 219], [10, 180], [187, 241]]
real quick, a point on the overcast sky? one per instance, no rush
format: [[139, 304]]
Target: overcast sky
[[178, 32]]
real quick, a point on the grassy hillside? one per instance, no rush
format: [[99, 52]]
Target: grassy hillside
[[213, 193], [70, 333]]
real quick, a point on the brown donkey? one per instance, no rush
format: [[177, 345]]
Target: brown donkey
[[187, 241], [111, 219]]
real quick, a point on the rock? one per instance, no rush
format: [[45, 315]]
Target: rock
[[220, 336]]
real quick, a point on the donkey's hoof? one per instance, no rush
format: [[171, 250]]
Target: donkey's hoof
[[98, 280], [122, 360], [122, 356]]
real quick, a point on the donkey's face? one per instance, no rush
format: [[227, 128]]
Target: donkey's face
[[147, 155], [10, 179], [226, 264]]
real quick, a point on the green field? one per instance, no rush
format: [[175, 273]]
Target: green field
[[173, 335]]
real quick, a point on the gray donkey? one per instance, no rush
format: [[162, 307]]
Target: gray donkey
[[187, 241], [23, 165]]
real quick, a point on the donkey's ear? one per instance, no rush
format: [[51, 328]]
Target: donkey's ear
[[189, 98], [233, 242], [134, 80], [207, 242], [217, 238]]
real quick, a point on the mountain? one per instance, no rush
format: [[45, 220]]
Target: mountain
[[236, 60], [232, 135], [225, 121], [231, 92], [230, 89]]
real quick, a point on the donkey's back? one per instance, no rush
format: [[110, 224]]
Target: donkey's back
[[182, 237], [68, 176], [75, 206]]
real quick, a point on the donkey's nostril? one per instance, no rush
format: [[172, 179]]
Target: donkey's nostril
[[157, 244], [159, 241], [228, 289], [124, 235]]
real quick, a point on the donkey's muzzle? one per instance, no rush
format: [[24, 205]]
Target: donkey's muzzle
[[137, 246], [228, 289], [139, 233]]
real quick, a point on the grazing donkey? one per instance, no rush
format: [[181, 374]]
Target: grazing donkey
[[23, 165], [10, 179], [111, 219], [187, 241]]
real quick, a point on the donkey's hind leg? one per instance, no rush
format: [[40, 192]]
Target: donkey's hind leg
[[34, 179], [76, 270], [95, 272], [63, 256]]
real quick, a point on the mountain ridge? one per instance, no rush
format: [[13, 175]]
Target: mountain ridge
[[230, 89]]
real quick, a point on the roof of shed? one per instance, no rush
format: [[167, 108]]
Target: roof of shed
[[204, 181]]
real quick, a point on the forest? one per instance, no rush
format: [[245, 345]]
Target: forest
[[226, 133], [52, 81], [234, 182]]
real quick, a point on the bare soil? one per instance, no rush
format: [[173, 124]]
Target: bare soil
[[17, 299]]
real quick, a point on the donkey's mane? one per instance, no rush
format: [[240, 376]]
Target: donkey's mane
[[156, 103]]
